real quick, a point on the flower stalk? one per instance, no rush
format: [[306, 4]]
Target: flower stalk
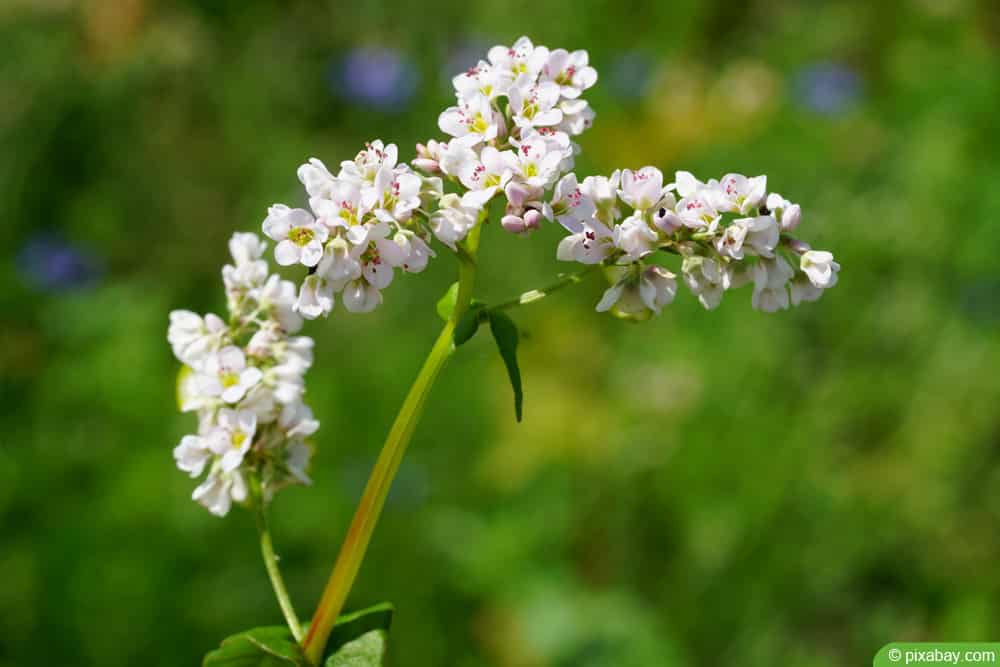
[[271, 562], [359, 535]]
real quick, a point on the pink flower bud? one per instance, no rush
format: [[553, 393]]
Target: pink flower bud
[[532, 218], [512, 224], [797, 246], [791, 217], [667, 221], [426, 164], [516, 193]]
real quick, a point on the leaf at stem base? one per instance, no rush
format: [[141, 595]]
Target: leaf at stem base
[[358, 639]]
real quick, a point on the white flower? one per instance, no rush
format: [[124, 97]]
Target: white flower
[[361, 297], [246, 248], [707, 278], [521, 60], [297, 461], [344, 206], [770, 290], [665, 218], [819, 266], [635, 237], [315, 297], [192, 454], [577, 116], [340, 263], [219, 490], [569, 205], [227, 375], [535, 106], [788, 214], [533, 163], [366, 165], [697, 213], [736, 193], [454, 219], [687, 185], [570, 71], [761, 234], [730, 244], [642, 189], [297, 420], [317, 179], [416, 252], [232, 437], [657, 288], [379, 255], [472, 122], [300, 237], [641, 296], [279, 296], [192, 337], [394, 195], [484, 174], [591, 245], [483, 79], [803, 290], [603, 191], [248, 270]]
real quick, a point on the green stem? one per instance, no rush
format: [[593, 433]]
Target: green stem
[[534, 295], [352, 552], [271, 563]]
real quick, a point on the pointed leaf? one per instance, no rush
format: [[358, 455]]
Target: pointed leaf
[[368, 650], [351, 626], [468, 325], [271, 646], [446, 306], [505, 334]]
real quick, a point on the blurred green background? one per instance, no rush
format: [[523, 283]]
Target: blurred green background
[[724, 488]]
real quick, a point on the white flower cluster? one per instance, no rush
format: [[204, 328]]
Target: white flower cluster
[[511, 127], [360, 229], [245, 380], [511, 132], [729, 232]]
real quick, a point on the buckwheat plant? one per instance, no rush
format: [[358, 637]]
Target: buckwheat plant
[[508, 157]]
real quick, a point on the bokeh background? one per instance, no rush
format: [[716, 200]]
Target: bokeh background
[[706, 489]]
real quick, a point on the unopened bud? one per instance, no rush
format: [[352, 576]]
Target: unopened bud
[[516, 193], [797, 246], [426, 164], [532, 218], [791, 217], [513, 224]]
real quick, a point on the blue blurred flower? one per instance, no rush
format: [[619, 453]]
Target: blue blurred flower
[[376, 77], [629, 74], [50, 263], [828, 88]]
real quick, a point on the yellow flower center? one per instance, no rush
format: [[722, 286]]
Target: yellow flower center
[[301, 235], [479, 125]]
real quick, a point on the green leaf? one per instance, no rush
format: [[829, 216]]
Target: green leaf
[[446, 306], [271, 646], [351, 626], [368, 650], [505, 334], [468, 325]]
